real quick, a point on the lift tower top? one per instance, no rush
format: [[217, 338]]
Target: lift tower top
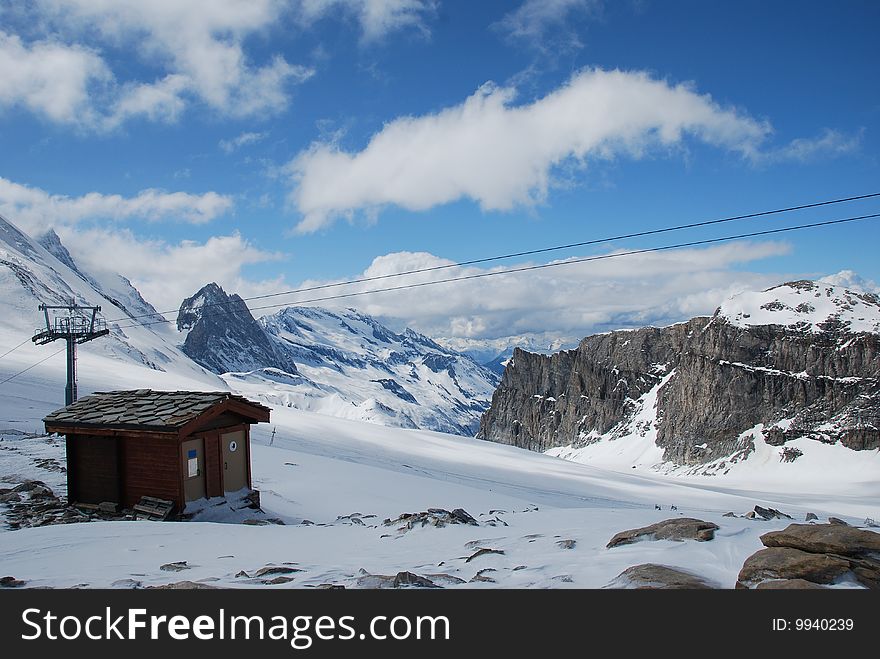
[[81, 324]]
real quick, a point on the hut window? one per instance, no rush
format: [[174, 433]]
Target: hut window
[[192, 464]]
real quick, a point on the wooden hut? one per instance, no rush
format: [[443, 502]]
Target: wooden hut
[[180, 446]]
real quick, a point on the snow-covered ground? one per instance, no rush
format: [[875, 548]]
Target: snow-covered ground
[[321, 469]]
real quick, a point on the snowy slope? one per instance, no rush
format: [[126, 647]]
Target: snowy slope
[[31, 275], [329, 471], [350, 365], [805, 305]]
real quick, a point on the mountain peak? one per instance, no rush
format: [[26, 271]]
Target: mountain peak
[[52, 243], [804, 305]]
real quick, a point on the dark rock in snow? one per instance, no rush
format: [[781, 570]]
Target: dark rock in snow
[[566, 544], [482, 552], [810, 517], [443, 579], [825, 539], [11, 582], [683, 528], [275, 569], [177, 566], [28, 486], [837, 520], [787, 563], [438, 517], [661, 577], [410, 580], [770, 513], [817, 553]]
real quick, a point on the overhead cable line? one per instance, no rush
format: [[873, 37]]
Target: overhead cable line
[[531, 252], [11, 350], [556, 264], [25, 370], [542, 266]]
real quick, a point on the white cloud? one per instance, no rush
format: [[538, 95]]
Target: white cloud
[[853, 281], [166, 273], [241, 140], [36, 210], [533, 18], [830, 143], [502, 155], [50, 78], [377, 18], [569, 300], [198, 48]]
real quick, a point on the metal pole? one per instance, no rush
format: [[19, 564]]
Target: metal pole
[[70, 389]]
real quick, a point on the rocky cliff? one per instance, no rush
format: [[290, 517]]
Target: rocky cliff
[[801, 359]]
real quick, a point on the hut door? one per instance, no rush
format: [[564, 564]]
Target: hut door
[[234, 461], [193, 457]]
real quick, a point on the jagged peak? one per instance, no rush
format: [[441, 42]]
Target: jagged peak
[[209, 295]]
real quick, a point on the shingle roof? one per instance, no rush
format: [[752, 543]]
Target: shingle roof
[[143, 408]]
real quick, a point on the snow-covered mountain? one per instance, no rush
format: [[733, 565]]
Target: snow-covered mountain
[[495, 353], [337, 363], [341, 363], [804, 306], [789, 366], [36, 272], [222, 335]]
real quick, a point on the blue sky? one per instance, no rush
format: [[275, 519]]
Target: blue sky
[[268, 144]]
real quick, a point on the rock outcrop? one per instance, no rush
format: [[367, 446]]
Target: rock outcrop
[[651, 576], [678, 529], [815, 553], [798, 360]]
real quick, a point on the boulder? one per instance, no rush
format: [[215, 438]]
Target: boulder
[[367, 580], [11, 582], [410, 580], [788, 563], [837, 520], [566, 544], [661, 577], [10, 497], [482, 551], [770, 513], [444, 579], [28, 485], [177, 566], [810, 517], [683, 528], [825, 539], [274, 570]]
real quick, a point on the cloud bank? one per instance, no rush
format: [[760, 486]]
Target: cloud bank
[[35, 210], [503, 155], [570, 300]]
